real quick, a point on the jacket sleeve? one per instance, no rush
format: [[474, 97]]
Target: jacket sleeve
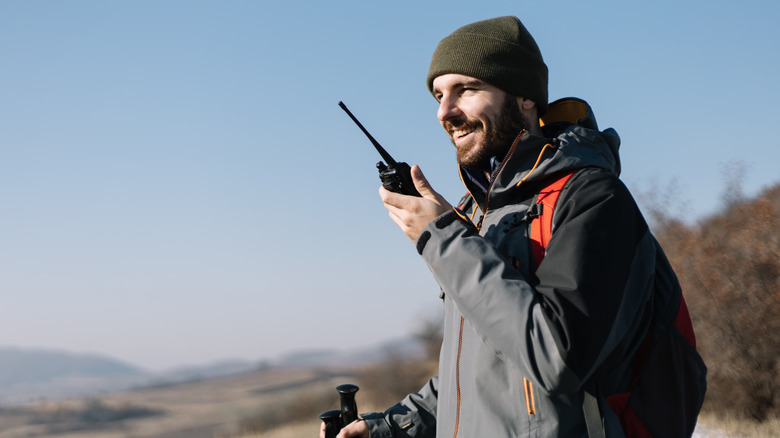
[[414, 416], [585, 299]]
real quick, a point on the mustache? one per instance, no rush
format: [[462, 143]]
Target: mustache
[[452, 125]]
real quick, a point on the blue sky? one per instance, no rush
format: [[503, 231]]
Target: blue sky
[[179, 186]]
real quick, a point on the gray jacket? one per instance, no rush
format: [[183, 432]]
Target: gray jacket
[[520, 341]]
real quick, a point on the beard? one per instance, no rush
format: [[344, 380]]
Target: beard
[[496, 139]]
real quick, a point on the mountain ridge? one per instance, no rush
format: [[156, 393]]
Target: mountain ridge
[[28, 374]]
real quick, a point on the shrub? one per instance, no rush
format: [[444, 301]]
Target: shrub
[[729, 268]]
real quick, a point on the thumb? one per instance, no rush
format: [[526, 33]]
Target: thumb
[[421, 183]]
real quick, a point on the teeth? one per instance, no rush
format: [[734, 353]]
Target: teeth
[[461, 133]]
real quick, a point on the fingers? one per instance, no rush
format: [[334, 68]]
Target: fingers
[[358, 428], [388, 197], [421, 184], [412, 213]]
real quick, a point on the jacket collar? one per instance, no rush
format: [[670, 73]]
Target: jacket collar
[[570, 141]]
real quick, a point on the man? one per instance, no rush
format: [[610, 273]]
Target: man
[[524, 339]]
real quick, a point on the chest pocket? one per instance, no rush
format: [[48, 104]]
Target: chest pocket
[[510, 235]]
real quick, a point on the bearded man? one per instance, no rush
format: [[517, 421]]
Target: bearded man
[[525, 339]]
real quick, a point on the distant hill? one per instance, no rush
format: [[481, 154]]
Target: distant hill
[[27, 374], [39, 374], [403, 347], [19, 365], [208, 371]]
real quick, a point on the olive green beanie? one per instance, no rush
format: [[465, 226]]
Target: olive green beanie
[[499, 51]]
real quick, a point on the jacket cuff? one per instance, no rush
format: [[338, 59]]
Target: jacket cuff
[[377, 425], [441, 222]]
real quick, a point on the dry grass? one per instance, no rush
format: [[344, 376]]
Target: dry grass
[[304, 429], [740, 428], [275, 403], [204, 409]]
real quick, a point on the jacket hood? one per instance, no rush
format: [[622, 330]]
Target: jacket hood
[[571, 140]]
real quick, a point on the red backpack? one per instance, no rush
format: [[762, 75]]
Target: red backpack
[[669, 380]]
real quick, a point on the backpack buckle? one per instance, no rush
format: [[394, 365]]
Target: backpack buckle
[[534, 211]]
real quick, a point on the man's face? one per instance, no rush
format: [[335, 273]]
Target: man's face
[[481, 119]]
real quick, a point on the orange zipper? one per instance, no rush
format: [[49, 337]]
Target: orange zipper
[[529, 396], [506, 158], [457, 378]]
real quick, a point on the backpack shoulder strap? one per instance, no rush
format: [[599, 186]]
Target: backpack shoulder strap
[[541, 232], [541, 224]]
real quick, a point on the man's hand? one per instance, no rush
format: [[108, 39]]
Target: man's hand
[[358, 429], [411, 213]]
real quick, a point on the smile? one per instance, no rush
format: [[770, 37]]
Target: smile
[[460, 133]]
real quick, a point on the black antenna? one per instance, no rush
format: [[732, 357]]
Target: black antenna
[[390, 161]]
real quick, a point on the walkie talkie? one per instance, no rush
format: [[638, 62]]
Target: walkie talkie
[[395, 176]]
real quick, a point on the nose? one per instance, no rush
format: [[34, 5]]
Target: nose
[[448, 109]]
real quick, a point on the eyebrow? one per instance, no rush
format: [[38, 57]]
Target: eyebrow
[[472, 83], [466, 83]]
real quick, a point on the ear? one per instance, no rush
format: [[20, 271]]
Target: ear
[[528, 108], [525, 104], [530, 112]]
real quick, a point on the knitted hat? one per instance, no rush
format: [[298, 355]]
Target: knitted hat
[[499, 51]]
